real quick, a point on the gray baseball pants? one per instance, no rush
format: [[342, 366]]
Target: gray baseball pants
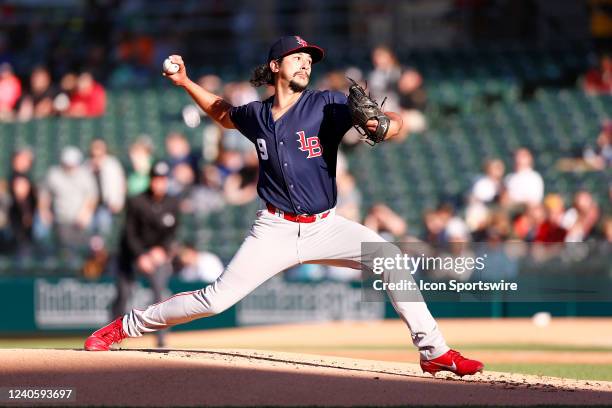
[[273, 245]]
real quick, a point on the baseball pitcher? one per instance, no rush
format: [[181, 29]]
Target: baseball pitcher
[[296, 132]]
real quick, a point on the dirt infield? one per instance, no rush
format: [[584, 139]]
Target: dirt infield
[[349, 363], [247, 377]]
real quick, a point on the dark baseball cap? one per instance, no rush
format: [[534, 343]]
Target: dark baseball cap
[[292, 44], [159, 169]]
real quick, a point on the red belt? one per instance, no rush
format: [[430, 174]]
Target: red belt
[[303, 218]]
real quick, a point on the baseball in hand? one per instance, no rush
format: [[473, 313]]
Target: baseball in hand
[[170, 67]]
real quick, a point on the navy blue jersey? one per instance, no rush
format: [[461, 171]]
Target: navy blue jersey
[[297, 153]]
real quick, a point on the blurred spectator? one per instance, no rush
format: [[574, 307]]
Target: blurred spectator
[[348, 203], [68, 84], [110, 180], [499, 228], [442, 226], [487, 187], [434, 227], [193, 114], [600, 157], [68, 199], [382, 81], [238, 93], [212, 83], [148, 240], [241, 187], [581, 219], [6, 244], [183, 179], [335, 81], [477, 218], [212, 132], [385, 222], [205, 197], [22, 192], [199, 266], [22, 212], [607, 229], [401, 89], [38, 102], [599, 79], [88, 99], [141, 158], [456, 230], [22, 160], [97, 261], [184, 164], [524, 185], [523, 223], [412, 102], [550, 229], [228, 162], [10, 91]]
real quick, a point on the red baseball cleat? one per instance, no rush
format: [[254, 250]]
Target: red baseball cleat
[[102, 339], [454, 362]]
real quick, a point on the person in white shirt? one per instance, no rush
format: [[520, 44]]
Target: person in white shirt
[[525, 185], [487, 187], [67, 201], [111, 183], [199, 266]]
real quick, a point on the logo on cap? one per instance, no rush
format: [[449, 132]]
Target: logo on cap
[[301, 41]]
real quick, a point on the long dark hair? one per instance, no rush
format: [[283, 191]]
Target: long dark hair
[[262, 75]]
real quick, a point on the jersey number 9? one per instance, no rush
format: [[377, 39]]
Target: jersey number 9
[[261, 145]]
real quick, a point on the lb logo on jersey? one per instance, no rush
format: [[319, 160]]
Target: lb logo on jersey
[[310, 145], [301, 41]]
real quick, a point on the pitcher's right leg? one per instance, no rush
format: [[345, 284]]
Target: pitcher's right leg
[[269, 249]]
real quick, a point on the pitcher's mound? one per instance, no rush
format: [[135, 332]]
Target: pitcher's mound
[[247, 377]]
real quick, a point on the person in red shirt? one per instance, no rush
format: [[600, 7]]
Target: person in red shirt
[[10, 91], [551, 229], [89, 98], [599, 80]]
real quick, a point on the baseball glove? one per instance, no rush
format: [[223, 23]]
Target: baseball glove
[[364, 108]]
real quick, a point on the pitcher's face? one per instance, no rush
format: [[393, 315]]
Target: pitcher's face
[[295, 69]]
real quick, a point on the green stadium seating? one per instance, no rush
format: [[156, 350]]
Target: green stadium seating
[[476, 110]]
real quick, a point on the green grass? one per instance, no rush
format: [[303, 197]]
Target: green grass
[[601, 372], [533, 347], [49, 342], [461, 347]]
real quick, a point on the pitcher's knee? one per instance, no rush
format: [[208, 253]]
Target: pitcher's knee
[[212, 303], [218, 307]]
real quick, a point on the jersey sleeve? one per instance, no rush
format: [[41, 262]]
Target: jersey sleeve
[[243, 118], [338, 108]]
